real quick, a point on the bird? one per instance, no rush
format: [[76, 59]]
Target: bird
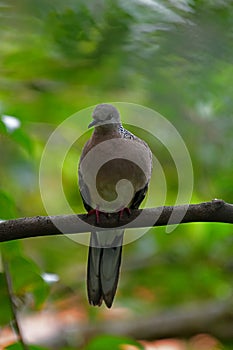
[[121, 156]]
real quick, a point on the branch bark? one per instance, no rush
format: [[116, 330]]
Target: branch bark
[[215, 211]]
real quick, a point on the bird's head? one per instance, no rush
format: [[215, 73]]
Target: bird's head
[[104, 113]]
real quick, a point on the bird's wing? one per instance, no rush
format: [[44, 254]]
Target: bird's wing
[[84, 192], [140, 193], [138, 198]]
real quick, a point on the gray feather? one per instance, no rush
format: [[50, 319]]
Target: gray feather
[[104, 267], [109, 273], [93, 274]]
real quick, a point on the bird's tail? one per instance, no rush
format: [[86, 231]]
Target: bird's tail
[[103, 269]]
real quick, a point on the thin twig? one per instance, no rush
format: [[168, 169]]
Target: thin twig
[[15, 322]]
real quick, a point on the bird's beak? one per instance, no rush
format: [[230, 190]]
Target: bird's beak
[[93, 123]]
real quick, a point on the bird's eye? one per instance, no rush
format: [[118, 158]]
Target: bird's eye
[[109, 117]]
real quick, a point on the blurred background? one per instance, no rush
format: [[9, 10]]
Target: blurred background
[[174, 56]]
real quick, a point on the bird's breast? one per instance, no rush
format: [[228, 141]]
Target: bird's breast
[[114, 171]]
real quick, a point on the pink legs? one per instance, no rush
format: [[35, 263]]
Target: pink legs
[[121, 212], [97, 212]]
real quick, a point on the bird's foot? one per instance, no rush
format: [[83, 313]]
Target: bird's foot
[[96, 212], [121, 212]]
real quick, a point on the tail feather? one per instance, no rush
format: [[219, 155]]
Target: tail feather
[[109, 273], [103, 271], [94, 290]]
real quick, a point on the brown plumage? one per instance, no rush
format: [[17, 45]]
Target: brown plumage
[[123, 156]]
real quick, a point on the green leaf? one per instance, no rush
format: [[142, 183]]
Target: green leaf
[[11, 249], [7, 206], [107, 342], [18, 346], [26, 277], [25, 273], [16, 132], [23, 139], [5, 306], [3, 129]]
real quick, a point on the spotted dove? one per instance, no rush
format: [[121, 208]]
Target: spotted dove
[[114, 172]]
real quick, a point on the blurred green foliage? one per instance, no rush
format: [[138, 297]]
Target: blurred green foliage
[[172, 56], [103, 343], [18, 346]]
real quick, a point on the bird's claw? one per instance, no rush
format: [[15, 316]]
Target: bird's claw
[[121, 212], [96, 212]]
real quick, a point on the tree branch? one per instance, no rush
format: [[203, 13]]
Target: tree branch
[[215, 211], [213, 317]]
